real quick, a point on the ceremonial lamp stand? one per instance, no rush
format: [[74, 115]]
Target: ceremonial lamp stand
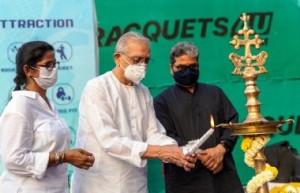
[[250, 66]]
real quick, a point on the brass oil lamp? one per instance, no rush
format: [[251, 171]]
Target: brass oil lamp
[[250, 67]]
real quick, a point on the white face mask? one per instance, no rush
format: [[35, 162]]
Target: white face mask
[[135, 72], [47, 78]]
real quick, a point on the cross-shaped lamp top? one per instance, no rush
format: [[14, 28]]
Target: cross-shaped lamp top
[[248, 61]]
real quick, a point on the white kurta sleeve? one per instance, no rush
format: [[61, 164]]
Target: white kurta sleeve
[[156, 133], [16, 143], [96, 113]]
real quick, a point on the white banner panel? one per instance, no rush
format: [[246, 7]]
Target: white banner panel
[[70, 26]]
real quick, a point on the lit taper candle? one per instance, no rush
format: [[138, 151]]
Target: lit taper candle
[[193, 146]]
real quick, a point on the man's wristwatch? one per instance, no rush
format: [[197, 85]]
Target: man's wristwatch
[[223, 143]]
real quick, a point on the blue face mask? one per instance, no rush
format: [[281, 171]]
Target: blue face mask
[[187, 77]]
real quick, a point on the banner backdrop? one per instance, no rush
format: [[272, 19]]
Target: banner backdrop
[[74, 40], [211, 25]]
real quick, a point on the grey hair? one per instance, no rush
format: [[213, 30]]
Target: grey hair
[[122, 44], [183, 48]]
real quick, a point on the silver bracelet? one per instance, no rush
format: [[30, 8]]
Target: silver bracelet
[[62, 157], [56, 157]]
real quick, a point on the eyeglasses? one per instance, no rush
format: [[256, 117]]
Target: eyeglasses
[[48, 65], [138, 60], [182, 67]]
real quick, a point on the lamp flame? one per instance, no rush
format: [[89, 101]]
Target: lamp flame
[[212, 123]]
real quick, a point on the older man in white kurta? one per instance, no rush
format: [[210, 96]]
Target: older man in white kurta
[[117, 123]]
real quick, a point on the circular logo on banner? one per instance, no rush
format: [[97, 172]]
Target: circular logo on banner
[[12, 51], [63, 94], [63, 51]]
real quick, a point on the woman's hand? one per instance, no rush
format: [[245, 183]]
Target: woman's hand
[[79, 158]]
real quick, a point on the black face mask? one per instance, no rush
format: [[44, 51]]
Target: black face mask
[[186, 77]]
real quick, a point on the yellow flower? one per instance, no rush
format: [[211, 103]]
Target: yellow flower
[[286, 188], [291, 189], [271, 169], [246, 143]]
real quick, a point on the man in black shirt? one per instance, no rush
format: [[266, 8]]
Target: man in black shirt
[[184, 110]]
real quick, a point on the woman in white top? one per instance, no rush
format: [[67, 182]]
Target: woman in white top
[[34, 139]]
